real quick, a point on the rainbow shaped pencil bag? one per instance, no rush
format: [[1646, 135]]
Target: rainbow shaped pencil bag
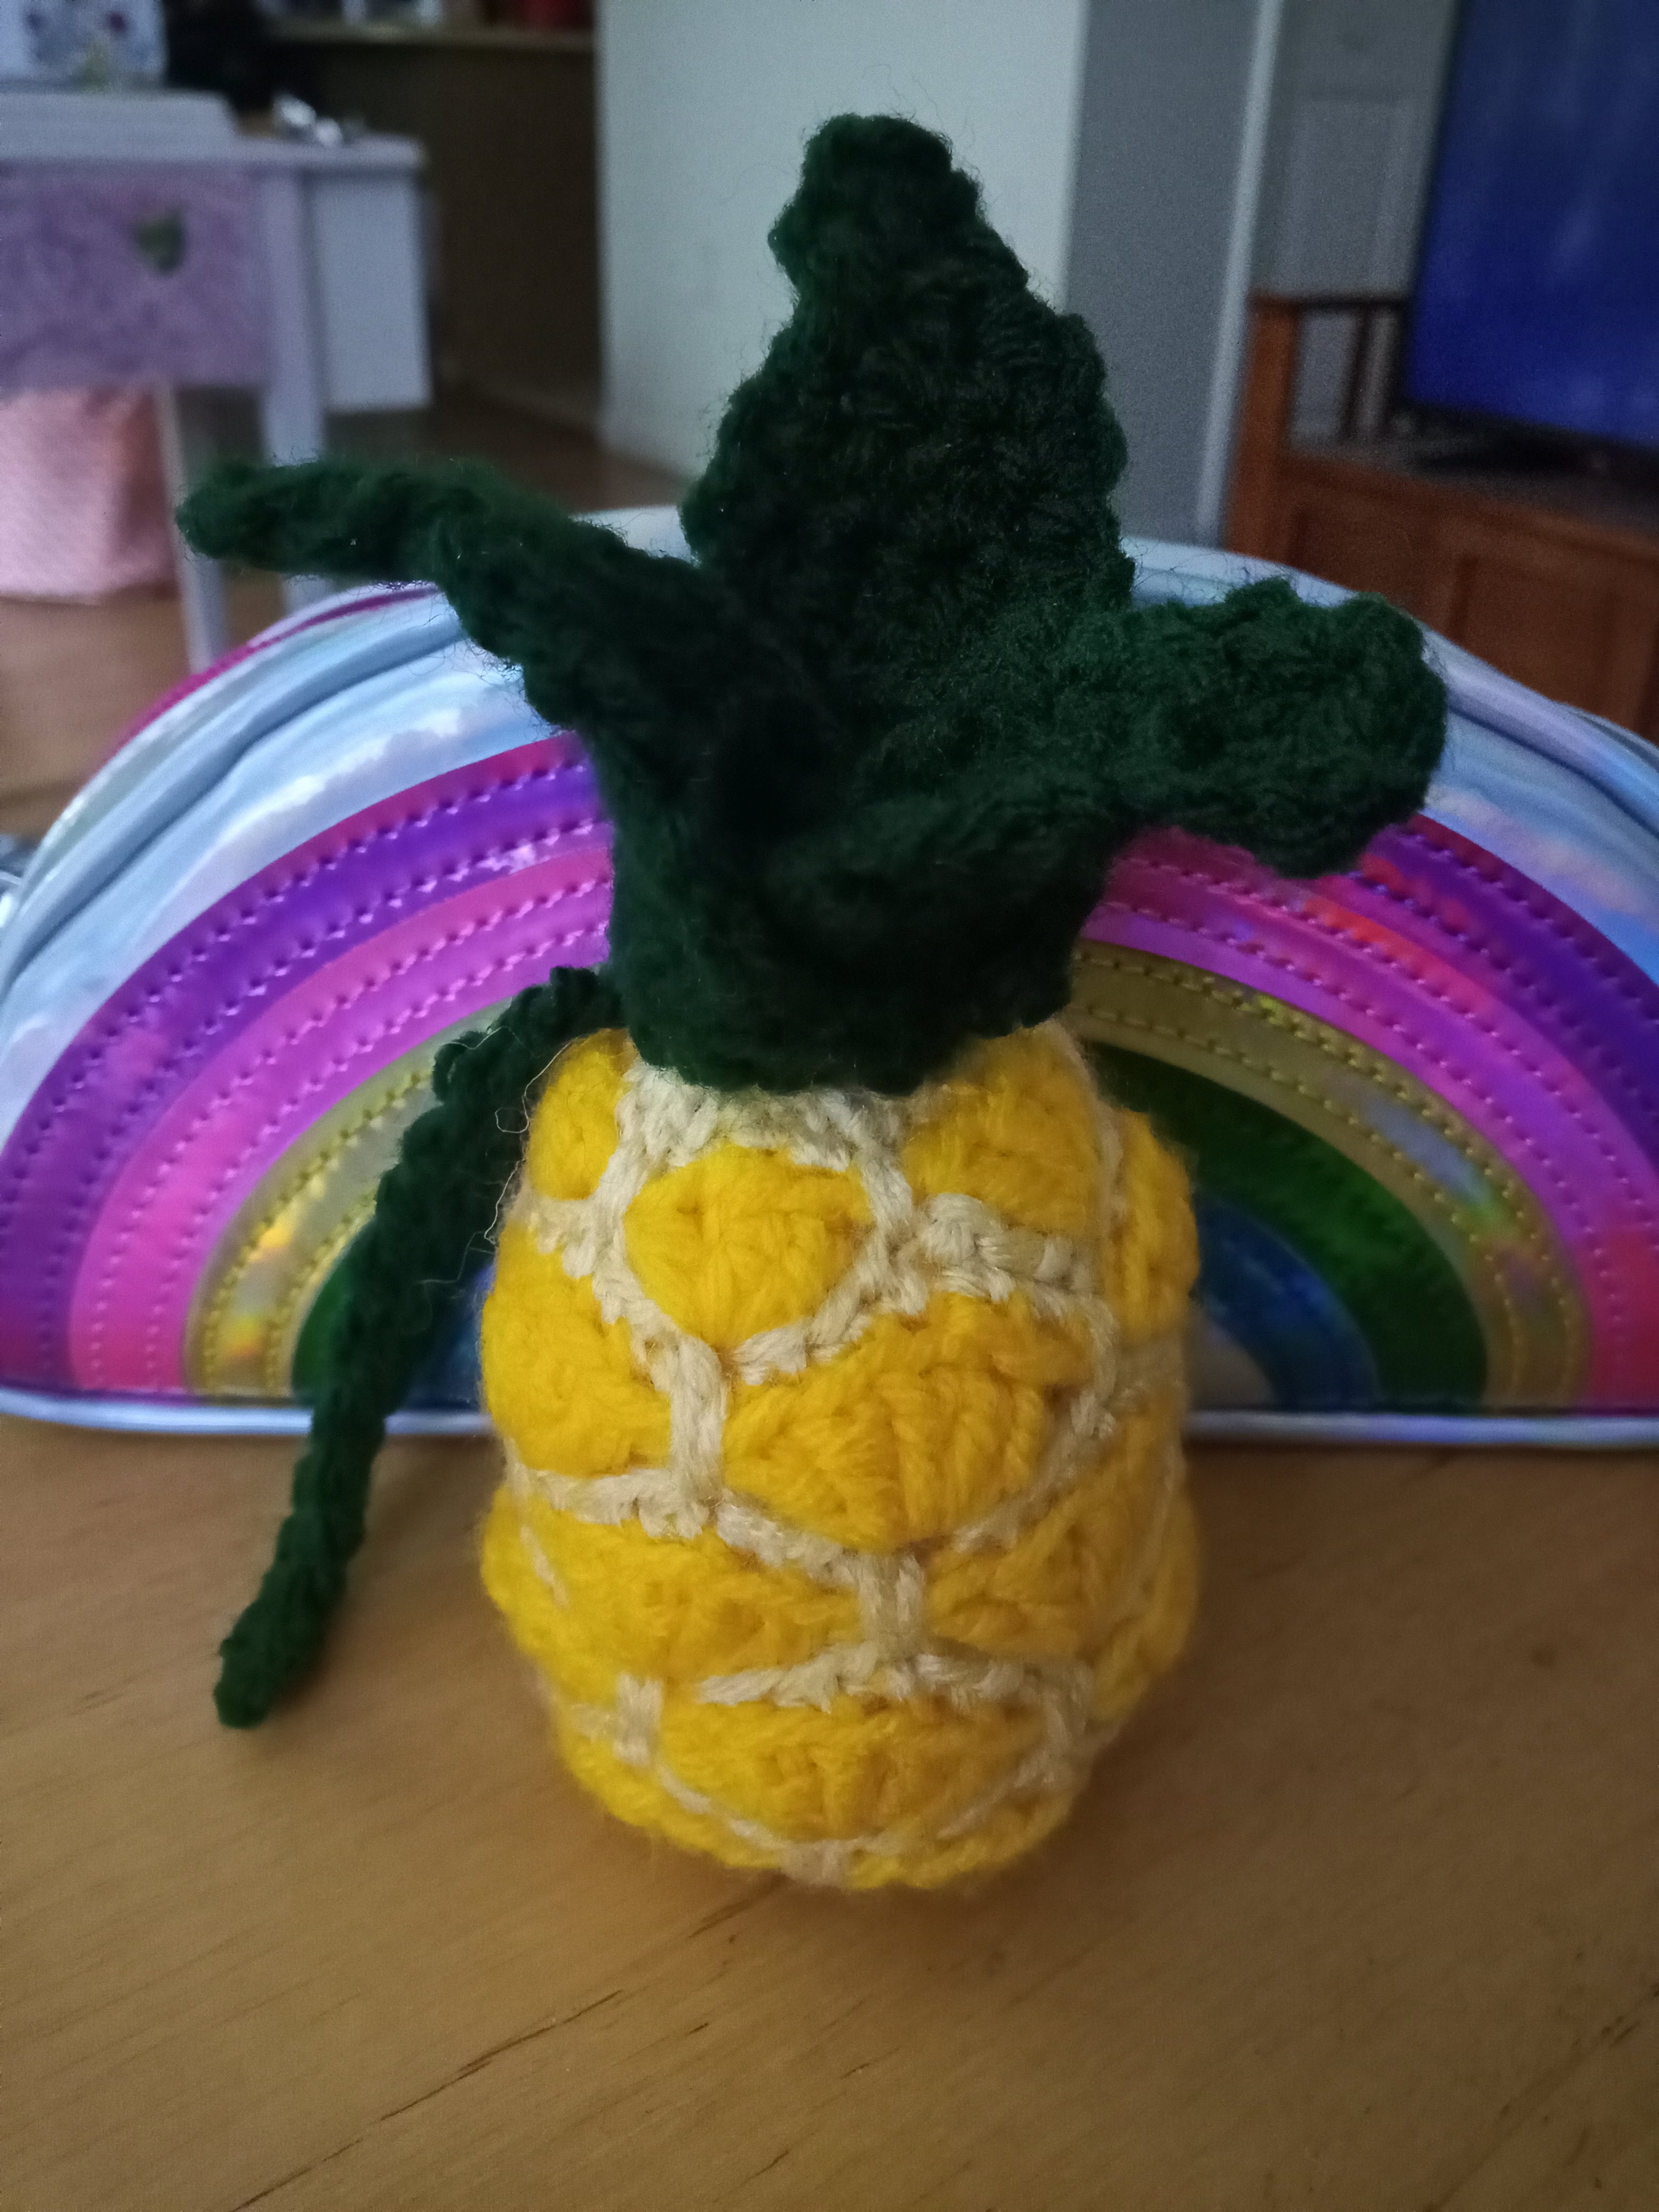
[[1419, 1100], [835, 1203]]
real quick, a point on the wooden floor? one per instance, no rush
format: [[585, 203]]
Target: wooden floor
[[73, 678], [1362, 1915]]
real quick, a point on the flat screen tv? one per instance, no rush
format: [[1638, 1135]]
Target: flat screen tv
[[1537, 299]]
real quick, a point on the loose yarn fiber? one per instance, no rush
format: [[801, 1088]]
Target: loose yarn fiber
[[433, 1221], [844, 1518]]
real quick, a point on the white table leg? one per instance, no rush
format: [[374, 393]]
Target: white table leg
[[292, 417], [186, 449]]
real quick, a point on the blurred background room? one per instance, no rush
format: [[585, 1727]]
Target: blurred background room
[[1374, 280], [1366, 1916]]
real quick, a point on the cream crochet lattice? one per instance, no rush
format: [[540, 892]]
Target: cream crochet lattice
[[890, 1653]]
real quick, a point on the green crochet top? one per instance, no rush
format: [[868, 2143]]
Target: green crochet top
[[869, 756]]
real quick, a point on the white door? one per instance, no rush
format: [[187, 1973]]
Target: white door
[[1350, 147]]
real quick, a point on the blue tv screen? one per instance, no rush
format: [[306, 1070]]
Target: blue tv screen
[[1537, 298]]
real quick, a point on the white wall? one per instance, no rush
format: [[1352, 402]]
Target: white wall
[[1176, 101], [704, 106]]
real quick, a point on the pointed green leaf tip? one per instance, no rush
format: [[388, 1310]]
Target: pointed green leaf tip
[[869, 759]]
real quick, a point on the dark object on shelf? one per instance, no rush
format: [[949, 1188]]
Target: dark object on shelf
[[1549, 572], [164, 241], [296, 119], [222, 46], [548, 15]]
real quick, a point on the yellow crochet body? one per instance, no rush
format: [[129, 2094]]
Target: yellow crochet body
[[843, 1512]]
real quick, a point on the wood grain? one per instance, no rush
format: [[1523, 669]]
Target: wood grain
[[72, 677], [1364, 1913]]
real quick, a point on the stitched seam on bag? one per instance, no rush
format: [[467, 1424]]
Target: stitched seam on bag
[[1517, 890], [1504, 1180], [318, 1018], [1526, 990], [1370, 1139], [1620, 1081], [1343, 933], [113, 1021], [1550, 1173], [1581, 941], [318, 1079], [361, 1124], [339, 1003], [54, 1096], [1569, 929], [181, 1251], [309, 1282]]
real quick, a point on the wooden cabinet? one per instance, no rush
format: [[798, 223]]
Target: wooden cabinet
[[506, 118], [1552, 577]]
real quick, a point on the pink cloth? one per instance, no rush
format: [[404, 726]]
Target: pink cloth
[[83, 507]]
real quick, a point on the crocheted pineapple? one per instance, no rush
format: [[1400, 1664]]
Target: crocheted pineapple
[[849, 1520], [835, 1335]]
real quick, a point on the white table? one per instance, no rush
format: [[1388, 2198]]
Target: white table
[[323, 242]]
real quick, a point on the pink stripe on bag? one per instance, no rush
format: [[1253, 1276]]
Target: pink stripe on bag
[[313, 1048]]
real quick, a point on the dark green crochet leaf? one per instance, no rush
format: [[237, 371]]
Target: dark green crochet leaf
[[926, 443], [869, 759]]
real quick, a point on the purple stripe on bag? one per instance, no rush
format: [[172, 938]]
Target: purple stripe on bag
[[1590, 998], [310, 1048], [342, 888]]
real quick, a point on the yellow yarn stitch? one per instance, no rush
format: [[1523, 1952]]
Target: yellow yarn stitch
[[843, 1514]]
